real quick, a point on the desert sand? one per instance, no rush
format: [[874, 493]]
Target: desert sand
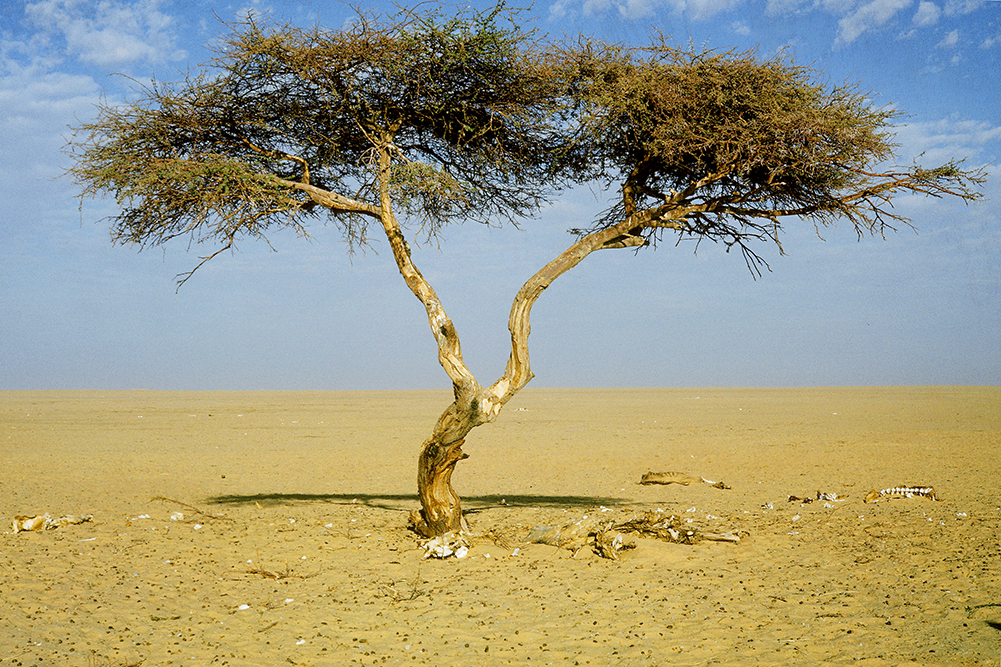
[[269, 528]]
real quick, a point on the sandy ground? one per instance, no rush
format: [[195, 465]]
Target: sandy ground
[[293, 548]]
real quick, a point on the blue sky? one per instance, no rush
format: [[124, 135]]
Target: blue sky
[[919, 307]]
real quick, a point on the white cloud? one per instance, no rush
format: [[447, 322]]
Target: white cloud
[[637, 9], [37, 103], [740, 28], [927, 14], [869, 17], [108, 32], [558, 10], [779, 7], [950, 139], [594, 7], [949, 41], [36, 99], [255, 10], [960, 7], [838, 7], [705, 9], [640, 9], [990, 42]]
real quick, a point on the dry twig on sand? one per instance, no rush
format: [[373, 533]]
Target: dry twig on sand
[[278, 576], [207, 515], [415, 590], [505, 538], [92, 661]]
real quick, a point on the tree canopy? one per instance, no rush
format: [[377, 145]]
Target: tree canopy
[[442, 118], [285, 119], [722, 146]]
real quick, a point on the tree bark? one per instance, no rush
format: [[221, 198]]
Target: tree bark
[[441, 509]]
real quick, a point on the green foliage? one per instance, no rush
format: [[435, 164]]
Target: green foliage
[[284, 115], [723, 145], [164, 192], [419, 188], [468, 117]]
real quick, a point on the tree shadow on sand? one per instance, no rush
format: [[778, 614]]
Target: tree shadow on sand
[[471, 504]]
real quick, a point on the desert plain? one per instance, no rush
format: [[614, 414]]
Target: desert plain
[[270, 528]]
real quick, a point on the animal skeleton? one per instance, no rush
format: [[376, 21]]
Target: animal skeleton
[[901, 492]]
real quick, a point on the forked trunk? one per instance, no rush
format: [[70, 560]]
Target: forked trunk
[[441, 511]]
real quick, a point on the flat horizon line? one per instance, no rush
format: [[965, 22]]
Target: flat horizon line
[[526, 389]]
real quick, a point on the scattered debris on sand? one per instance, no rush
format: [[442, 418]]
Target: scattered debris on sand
[[875, 496], [682, 478], [674, 529], [609, 547], [444, 546], [46, 522], [821, 496], [179, 516], [571, 536]]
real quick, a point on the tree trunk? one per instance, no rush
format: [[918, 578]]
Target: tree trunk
[[441, 511]]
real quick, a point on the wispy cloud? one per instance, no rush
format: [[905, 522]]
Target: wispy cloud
[[950, 40], [952, 138], [961, 7], [107, 32], [255, 10], [37, 100], [640, 9], [991, 42], [869, 16], [780, 7], [928, 14]]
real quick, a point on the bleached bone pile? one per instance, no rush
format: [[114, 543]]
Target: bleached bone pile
[[901, 492], [449, 544], [46, 522]]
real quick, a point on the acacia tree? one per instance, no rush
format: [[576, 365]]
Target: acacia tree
[[442, 119]]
